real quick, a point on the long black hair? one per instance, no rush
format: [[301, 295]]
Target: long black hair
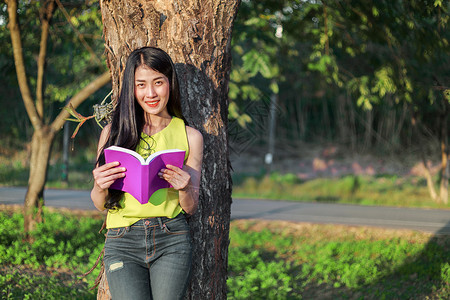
[[128, 118]]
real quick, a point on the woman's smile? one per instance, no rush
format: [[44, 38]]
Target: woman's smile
[[152, 91], [152, 103]]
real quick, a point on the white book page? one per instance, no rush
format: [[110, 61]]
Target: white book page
[[131, 152], [149, 159]]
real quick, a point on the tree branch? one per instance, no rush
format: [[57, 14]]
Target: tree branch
[[46, 16], [80, 97], [14, 30], [80, 36]]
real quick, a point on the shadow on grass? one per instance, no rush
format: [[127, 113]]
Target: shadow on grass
[[424, 276]]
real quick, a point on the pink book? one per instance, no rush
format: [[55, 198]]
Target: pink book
[[141, 177]]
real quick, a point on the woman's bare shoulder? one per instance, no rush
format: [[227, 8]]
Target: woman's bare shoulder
[[107, 129], [194, 135]]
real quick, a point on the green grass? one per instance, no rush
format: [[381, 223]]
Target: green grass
[[271, 260], [50, 268], [267, 260]]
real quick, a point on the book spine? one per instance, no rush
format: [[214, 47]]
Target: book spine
[[145, 181]]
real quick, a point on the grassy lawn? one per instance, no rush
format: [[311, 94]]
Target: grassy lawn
[[267, 260], [282, 260]]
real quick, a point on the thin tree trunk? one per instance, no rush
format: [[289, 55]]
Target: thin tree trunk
[[341, 118], [368, 130], [46, 13], [400, 128], [40, 154], [427, 172], [443, 188], [22, 78], [428, 177], [197, 35], [43, 134], [352, 123]]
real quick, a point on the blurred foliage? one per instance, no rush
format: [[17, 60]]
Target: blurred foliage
[[348, 71], [355, 72], [74, 58]]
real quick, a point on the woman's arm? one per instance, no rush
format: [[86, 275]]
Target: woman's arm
[[104, 175], [187, 180]]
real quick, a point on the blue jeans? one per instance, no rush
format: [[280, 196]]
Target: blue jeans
[[150, 259]]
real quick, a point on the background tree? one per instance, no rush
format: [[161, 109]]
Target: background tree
[[364, 76], [390, 56], [46, 92], [196, 34]]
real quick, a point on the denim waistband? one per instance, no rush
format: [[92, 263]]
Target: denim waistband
[[155, 221]]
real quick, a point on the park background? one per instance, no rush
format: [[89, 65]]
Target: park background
[[350, 98]]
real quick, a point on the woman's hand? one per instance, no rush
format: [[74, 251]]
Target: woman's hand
[[177, 177], [106, 174]]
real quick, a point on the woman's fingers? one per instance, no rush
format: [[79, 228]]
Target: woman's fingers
[[108, 166], [106, 174], [177, 177]]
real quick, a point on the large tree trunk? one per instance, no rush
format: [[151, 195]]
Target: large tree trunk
[[41, 144], [197, 35]]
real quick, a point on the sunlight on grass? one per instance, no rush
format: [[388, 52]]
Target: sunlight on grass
[[311, 261], [267, 260]]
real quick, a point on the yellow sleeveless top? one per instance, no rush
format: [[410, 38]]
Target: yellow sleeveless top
[[164, 202]]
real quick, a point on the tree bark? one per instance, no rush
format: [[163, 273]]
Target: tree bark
[[46, 14], [22, 78], [197, 35], [41, 144], [443, 186], [428, 176]]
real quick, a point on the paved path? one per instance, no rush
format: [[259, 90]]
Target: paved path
[[428, 220]]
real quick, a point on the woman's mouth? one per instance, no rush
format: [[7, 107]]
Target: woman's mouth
[[152, 103]]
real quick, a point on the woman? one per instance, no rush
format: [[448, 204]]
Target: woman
[[148, 246]]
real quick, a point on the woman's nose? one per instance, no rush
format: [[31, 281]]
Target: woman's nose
[[151, 91]]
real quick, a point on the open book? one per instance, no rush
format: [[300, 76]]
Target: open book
[[141, 177]]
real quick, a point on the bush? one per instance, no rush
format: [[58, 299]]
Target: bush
[[64, 248], [252, 277]]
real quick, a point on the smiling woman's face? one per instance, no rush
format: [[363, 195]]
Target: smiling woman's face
[[152, 90]]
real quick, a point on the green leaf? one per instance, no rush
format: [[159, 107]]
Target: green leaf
[[274, 87]]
